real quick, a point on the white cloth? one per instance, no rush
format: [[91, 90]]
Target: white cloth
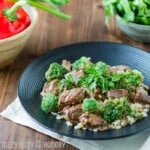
[[17, 114]]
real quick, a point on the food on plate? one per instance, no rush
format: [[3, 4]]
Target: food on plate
[[95, 96]]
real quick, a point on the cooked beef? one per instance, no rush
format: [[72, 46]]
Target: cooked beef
[[117, 93], [66, 64], [71, 97], [142, 96], [76, 74], [92, 120], [51, 87], [121, 68], [73, 113]]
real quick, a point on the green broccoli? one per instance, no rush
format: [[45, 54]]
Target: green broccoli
[[55, 71], [127, 79], [115, 109], [82, 63], [49, 103], [91, 105]]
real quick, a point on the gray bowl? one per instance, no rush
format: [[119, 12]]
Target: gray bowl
[[137, 32]]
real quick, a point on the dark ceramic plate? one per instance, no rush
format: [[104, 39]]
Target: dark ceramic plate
[[32, 81]]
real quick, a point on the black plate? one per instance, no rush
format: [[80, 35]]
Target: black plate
[[32, 80]]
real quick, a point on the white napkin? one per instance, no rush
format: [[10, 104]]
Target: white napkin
[[17, 114]]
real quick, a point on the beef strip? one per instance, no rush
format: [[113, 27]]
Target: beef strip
[[71, 97], [51, 87], [76, 74], [142, 96], [117, 93], [66, 64], [121, 68], [92, 120], [73, 113]]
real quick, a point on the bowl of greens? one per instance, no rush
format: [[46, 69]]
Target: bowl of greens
[[132, 17]]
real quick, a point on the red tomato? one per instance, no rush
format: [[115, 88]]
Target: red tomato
[[9, 28]]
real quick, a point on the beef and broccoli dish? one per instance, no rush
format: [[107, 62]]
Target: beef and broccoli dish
[[95, 96]]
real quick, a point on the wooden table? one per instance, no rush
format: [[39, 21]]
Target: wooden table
[[87, 24]]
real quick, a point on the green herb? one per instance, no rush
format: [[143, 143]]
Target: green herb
[[93, 81], [136, 11], [97, 76]]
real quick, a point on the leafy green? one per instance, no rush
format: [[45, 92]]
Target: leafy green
[[92, 81], [136, 11], [115, 109], [90, 105], [82, 63], [97, 76], [55, 71], [49, 103]]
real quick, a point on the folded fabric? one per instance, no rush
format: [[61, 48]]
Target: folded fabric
[[16, 113]]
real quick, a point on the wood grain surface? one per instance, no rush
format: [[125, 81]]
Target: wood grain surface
[[87, 24]]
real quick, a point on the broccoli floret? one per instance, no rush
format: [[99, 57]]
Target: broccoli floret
[[115, 109], [91, 105], [55, 71], [82, 63], [60, 2], [49, 103], [128, 79]]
